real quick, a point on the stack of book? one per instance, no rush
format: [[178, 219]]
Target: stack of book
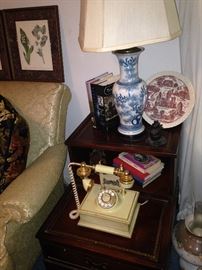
[[101, 100], [144, 168]]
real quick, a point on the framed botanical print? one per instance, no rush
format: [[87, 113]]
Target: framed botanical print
[[4, 59], [34, 43]]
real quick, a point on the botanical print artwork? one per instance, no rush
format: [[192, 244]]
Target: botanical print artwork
[[34, 45], [0, 65]]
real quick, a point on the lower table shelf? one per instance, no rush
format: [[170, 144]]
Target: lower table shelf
[[68, 246]]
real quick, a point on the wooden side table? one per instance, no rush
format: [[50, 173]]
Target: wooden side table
[[85, 139], [66, 245]]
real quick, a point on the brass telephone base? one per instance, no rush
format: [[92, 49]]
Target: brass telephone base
[[119, 220]]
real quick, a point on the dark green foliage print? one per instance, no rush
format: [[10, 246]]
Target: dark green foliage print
[[27, 47]]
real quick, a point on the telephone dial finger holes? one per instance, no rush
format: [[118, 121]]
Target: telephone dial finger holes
[[107, 198]]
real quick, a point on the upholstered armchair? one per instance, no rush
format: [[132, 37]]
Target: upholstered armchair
[[27, 201]]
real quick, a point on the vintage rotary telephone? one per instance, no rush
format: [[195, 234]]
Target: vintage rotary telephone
[[109, 206]]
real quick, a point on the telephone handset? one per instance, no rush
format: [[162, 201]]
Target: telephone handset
[[109, 206]]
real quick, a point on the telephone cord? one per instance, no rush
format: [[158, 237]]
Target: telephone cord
[[74, 214], [145, 202]]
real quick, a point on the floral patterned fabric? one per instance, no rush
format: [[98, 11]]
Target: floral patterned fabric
[[14, 143]]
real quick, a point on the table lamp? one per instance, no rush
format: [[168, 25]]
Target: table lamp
[[121, 26]]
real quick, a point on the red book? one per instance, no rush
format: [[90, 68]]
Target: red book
[[136, 173], [142, 176], [145, 183]]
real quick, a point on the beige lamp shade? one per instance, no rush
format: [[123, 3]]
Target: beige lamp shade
[[108, 25]]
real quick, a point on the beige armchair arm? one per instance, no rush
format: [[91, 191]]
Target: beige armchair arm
[[25, 196]]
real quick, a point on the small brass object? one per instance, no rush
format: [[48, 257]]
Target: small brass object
[[126, 178], [83, 171]]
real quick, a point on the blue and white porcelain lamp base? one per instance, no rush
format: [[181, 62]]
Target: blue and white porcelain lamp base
[[129, 92]]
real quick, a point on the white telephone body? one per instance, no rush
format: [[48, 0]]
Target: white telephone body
[[109, 206]]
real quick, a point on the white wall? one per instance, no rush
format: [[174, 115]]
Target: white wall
[[79, 66]]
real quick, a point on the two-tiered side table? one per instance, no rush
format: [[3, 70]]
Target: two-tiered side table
[[66, 245]]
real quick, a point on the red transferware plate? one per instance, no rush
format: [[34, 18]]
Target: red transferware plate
[[170, 99]]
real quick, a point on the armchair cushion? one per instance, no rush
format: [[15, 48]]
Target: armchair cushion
[[14, 143]]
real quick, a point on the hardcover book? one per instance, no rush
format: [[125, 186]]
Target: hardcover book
[[105, 112], [136, 173], [96, 79], [144, 163], [145, 183]]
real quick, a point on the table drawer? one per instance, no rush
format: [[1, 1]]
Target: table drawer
[[70, 258]]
